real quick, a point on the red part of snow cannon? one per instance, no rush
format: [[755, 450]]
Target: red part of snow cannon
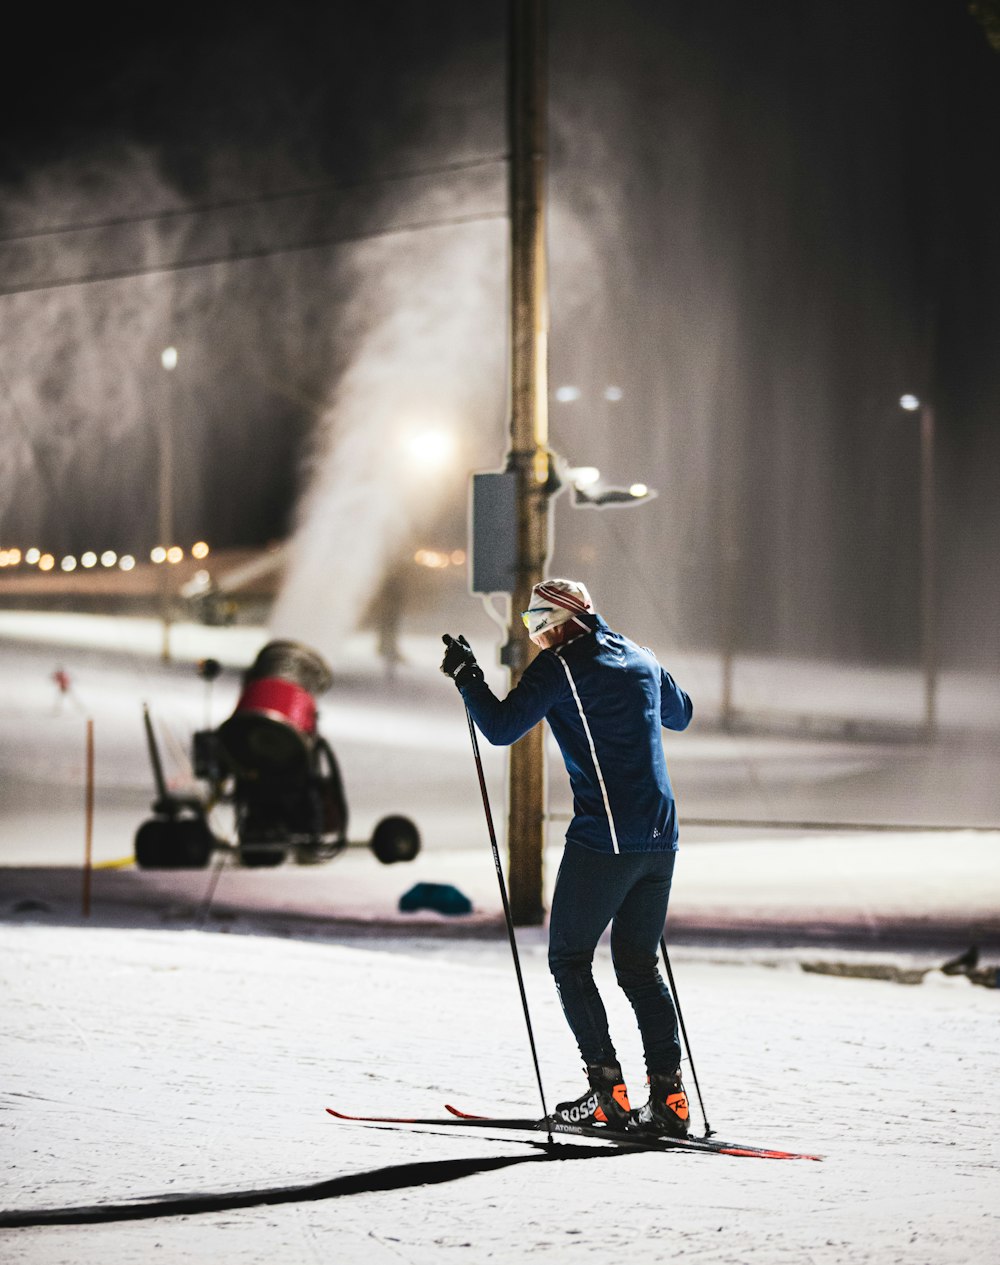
[[274, 725]]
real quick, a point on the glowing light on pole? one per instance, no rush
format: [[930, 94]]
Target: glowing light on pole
[[430, 449]]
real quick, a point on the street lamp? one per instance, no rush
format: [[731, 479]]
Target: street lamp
[[168, 359], [428, 450], [928, 561]]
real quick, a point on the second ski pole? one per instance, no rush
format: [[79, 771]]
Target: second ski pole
[[687, 1044]]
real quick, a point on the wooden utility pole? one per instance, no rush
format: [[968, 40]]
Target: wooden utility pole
[[529, 454]]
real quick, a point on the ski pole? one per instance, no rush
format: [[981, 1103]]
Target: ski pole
[[687, 1044], [507, 915]]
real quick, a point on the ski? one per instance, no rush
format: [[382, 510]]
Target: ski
[[512, 1124], [532, 1124], [708, 1145]]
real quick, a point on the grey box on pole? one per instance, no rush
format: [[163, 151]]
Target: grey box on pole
[[493, 532]]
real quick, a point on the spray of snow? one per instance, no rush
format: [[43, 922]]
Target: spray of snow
[[426, 378]]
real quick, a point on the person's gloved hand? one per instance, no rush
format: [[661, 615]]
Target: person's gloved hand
[[459, 662]]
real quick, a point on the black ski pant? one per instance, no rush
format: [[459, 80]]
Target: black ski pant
[[629, 890]]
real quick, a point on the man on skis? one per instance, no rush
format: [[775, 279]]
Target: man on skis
[[605, 699]]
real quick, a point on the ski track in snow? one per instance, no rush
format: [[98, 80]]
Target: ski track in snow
[[143, 1063]]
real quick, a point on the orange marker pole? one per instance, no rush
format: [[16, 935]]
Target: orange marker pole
[[88, 819]]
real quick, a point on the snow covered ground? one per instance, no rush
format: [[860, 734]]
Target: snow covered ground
[[165, 1062], [190, 1070]]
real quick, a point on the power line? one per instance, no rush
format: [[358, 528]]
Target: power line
[[237, 256], [261, 199]]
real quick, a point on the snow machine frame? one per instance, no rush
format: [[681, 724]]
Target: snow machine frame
[[298, 813]]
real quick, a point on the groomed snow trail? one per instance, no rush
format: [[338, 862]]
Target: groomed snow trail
[[141, 1064]]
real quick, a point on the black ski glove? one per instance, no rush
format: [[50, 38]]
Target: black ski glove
[[459, 662]]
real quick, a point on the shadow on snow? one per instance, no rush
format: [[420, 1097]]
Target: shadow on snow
[[396, 1177]]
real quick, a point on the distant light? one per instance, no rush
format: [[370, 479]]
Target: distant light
[[199, 549], [3, 557], [432, 558], [89, 559], [638, 489], [126, 562], [108, 558], [613, 394], [567, 394], [159, 554], [584, 476], [14, 556], [175, 554], [68, 563], [457, 557], [46, 562], [430, 449], [909, 402], [168, 358], [32, 556]]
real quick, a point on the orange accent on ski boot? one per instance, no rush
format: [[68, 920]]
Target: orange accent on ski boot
[[620, 1094], [678, 1104]]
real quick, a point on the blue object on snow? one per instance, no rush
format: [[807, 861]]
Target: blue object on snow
[[441, 897]]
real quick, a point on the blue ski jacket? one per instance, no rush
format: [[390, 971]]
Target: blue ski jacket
[[605, 699]]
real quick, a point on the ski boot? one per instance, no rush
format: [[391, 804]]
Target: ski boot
[[667, 1112], [604, 1103]]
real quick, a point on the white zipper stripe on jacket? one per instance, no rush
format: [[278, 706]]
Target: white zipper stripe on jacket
[[593, 753]]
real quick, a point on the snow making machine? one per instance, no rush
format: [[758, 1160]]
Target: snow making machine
[[269, 762]]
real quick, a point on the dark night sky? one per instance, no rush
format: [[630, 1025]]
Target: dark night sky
[[320, 80], [793, 208], [237, 103]]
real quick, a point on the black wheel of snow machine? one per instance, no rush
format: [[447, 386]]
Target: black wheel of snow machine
[[258, 858], [178, 843], [395, 839]]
